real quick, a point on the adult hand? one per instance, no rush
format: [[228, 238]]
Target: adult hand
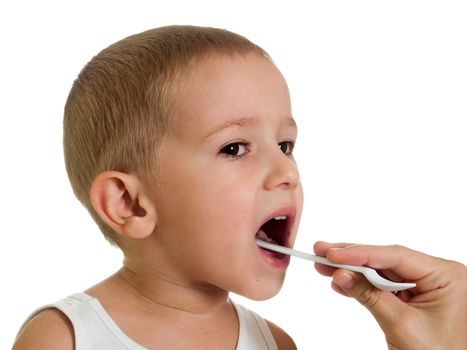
[[433, 315]]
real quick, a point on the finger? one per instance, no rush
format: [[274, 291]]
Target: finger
[[391, 275], [339, 290], [325, 270], [321, 248], [404, 262], [385, 307]]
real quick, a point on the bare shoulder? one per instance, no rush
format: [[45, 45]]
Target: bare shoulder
[[283, 340], [50, 329]]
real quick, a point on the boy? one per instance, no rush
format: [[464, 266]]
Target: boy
[[179, 142]]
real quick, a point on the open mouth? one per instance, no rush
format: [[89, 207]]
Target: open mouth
[[276, 231]]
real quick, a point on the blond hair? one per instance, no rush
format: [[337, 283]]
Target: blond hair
[[118, 109]]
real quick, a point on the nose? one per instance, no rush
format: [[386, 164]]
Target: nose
[[282, 172]]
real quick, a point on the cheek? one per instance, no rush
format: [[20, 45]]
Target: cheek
[[207, 202], [205, 194], [226, 215], [219, 190]]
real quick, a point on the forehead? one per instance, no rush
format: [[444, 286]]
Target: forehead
[[218, 88]]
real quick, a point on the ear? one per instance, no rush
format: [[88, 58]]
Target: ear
[[121, 201]]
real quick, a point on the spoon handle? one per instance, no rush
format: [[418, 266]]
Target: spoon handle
[[370, 274], [306, 256]]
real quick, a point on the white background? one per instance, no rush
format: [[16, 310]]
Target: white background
[[379, 91]]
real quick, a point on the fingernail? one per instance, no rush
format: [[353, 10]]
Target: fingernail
[[345, 280]]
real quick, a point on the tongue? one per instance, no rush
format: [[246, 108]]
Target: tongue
[[264, 237]]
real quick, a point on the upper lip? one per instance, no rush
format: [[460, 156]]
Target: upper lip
[[290, 213]]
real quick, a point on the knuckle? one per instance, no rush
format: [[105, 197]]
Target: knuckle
[[397, 248], [456, 269], [460, 271], [368, 297]]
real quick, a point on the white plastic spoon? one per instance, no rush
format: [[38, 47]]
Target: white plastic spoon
[[370, 274]]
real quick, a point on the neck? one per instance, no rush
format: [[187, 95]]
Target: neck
[[162, 292], [158, 307]]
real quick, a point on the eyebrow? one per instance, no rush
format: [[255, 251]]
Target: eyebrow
[[244, 122]]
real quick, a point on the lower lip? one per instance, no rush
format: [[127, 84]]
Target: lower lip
[[277, 260]]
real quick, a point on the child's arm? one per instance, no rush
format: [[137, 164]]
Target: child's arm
[[283, 340], [49, 330]]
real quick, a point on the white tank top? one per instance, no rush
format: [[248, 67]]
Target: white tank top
[[94, 329]]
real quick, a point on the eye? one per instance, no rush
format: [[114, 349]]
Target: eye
[[286, 147], [235, 150]]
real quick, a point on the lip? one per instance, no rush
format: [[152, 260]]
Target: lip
[[272, 259], [290, 213]]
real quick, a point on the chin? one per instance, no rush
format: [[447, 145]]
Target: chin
[[262, 291]]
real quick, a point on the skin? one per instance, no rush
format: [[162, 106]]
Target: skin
[[191, 240], [430, 316]]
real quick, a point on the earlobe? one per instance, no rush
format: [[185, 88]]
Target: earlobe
[[120, 200]]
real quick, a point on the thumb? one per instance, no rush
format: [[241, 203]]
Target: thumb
[[384, 306]]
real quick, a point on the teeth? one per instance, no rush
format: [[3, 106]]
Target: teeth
[[282, 217]]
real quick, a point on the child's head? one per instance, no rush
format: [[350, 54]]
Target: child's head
[[183, 139], [118, 110]]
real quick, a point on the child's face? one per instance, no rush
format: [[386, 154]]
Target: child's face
[[227, 169]]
